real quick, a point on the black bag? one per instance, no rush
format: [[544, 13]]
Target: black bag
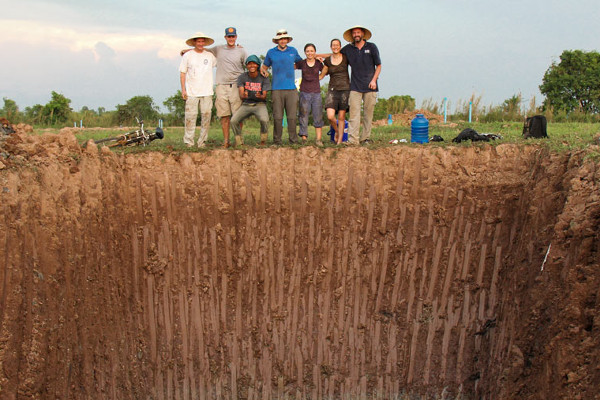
[[535, 127], [470, 134]]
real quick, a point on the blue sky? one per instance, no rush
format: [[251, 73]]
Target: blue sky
[[101, 53]]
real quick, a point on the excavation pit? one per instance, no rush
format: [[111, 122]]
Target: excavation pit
[[407, 272]]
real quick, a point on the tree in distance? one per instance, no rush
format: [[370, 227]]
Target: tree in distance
[[138, 106], [574, 83]]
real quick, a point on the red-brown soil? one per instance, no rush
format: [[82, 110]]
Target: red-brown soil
[[279, 273], [407, 116]]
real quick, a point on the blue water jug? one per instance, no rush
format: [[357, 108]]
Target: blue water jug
[[419, 129], [331, 132]]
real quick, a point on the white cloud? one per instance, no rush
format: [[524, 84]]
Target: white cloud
[[42, 34]]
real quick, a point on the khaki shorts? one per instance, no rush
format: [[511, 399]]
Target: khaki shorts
[[228, 100]]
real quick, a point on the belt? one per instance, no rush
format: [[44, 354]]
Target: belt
[[227, 84]]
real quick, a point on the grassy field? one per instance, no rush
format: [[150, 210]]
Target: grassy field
[[562, 136]]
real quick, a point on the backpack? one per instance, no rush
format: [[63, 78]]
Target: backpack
[[535, 127]]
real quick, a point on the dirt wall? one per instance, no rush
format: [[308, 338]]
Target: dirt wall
[[309, 273]]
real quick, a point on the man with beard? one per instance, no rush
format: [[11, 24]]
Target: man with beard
[[363, 58]]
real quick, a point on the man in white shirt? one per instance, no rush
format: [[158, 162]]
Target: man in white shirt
[[196, 78]]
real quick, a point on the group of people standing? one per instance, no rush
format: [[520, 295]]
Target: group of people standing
[[241, 93]]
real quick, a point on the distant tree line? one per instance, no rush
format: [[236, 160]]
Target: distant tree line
[[571, 88]]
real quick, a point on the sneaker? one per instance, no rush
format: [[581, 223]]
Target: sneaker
[[365, 142], [201, 145]]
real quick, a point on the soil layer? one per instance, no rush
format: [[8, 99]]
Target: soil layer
[[272, 273]]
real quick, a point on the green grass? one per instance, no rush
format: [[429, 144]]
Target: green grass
[[562, 136]]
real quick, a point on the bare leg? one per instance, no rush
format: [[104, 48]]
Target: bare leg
[[225, 127], [333, 122], [341, 126]]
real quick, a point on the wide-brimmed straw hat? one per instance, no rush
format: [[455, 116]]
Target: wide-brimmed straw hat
[[282, 34], [192, 41], [348, 33]]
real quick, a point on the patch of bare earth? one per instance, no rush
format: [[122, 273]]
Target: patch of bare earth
[[309, 273]]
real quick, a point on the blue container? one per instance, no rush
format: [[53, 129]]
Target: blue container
[[331, 132], [419, 129]]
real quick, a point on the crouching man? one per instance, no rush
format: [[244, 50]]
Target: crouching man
[[253, 88]]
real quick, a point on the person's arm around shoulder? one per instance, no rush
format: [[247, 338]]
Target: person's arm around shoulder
[[264, 68], [323, 72], [264, 71], [297, 57], [244, 56]]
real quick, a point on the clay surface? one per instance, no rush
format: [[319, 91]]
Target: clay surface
[[278, 273]]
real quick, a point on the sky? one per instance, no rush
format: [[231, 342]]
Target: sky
[[102, 53]]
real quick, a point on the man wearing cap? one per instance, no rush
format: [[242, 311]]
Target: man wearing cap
[[282, 59], [253, 88], [195, 72], [365, 62], [230, 65]]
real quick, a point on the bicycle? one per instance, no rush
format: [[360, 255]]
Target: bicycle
[[138, 137]]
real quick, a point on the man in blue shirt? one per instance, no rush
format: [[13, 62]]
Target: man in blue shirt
[[365, 62], [285, 97]]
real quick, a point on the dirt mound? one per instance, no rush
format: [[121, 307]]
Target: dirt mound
[[406, 117], [23, 150], [459, 272], [23, 128]]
